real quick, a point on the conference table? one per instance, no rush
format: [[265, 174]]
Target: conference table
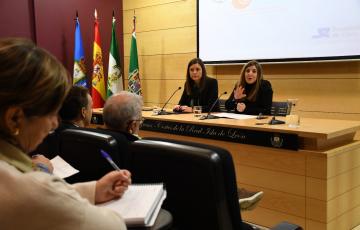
[[310, 174]]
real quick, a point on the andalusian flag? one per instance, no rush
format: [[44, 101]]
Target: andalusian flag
[[134, 78], [98, 82], [79, 75], [115, 80]]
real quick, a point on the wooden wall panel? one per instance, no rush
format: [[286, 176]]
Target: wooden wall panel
[[290, 183], [316, 188], [279, 160], [342, 204], [164, 67], [316, 210], [175, 15], [135, 4], [279, 201], [346, 221], [339, 184], [341, 163], [315, 95], [333, 162], [160, 42], [156, 92]]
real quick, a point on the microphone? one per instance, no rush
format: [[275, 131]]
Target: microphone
[[273, 120], [208, 115], [162, 111]]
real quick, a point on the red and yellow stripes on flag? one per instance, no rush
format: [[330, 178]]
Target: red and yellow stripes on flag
[[98, 91]]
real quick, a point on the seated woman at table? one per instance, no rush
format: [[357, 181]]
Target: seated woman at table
[[199, 89], [33, 84], [252, 93]]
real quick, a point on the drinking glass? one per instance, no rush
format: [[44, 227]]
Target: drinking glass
[[293, 119], [197, 110]]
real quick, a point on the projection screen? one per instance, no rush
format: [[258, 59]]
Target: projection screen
[[234, 31]]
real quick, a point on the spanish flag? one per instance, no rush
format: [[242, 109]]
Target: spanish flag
[[98, 82]]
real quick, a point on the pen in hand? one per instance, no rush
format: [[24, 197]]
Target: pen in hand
[[108, 158]]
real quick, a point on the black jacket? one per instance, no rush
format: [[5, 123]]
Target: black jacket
[[205, 98], [262, 104]]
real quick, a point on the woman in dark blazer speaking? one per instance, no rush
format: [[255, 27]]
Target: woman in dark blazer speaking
[[199, 89]]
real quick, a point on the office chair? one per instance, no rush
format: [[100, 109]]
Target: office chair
[[81, 149], [49, 147], [280, 108], [199, 179], [222, 105], [193, 180]]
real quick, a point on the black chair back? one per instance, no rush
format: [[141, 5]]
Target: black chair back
[[200, 182], [280, 108], [222, 105], [81, 149], [49, 147]]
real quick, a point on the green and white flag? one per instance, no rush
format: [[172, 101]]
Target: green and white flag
[[115, 79], [134, 77]]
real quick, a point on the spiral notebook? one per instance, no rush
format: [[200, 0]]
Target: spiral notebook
[[140, 204]]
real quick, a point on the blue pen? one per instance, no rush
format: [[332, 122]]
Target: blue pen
[[108, 158]]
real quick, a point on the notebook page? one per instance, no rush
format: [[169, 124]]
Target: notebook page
[[62, 169], [138, 203]]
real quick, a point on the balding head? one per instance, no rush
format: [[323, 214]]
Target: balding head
[[121, 109]]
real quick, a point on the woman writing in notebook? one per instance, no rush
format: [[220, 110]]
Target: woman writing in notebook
[[33, 84], [252, 94], [199, 89]]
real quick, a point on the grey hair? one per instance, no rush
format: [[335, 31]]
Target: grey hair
[[122, 108]]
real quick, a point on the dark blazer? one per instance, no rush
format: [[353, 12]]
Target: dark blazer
[[205, 98], [262, 104], [123, 140]]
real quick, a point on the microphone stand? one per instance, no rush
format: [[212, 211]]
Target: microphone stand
[[208, 115], [162, 111]]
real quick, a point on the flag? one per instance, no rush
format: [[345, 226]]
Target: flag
[[115, 80], [134, 78], [79, 75], [98, 82]]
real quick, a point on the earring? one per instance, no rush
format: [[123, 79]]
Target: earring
[[16, 132]]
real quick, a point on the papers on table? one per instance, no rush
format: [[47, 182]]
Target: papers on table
[[234, 116], [62, 169], [140, 204]]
